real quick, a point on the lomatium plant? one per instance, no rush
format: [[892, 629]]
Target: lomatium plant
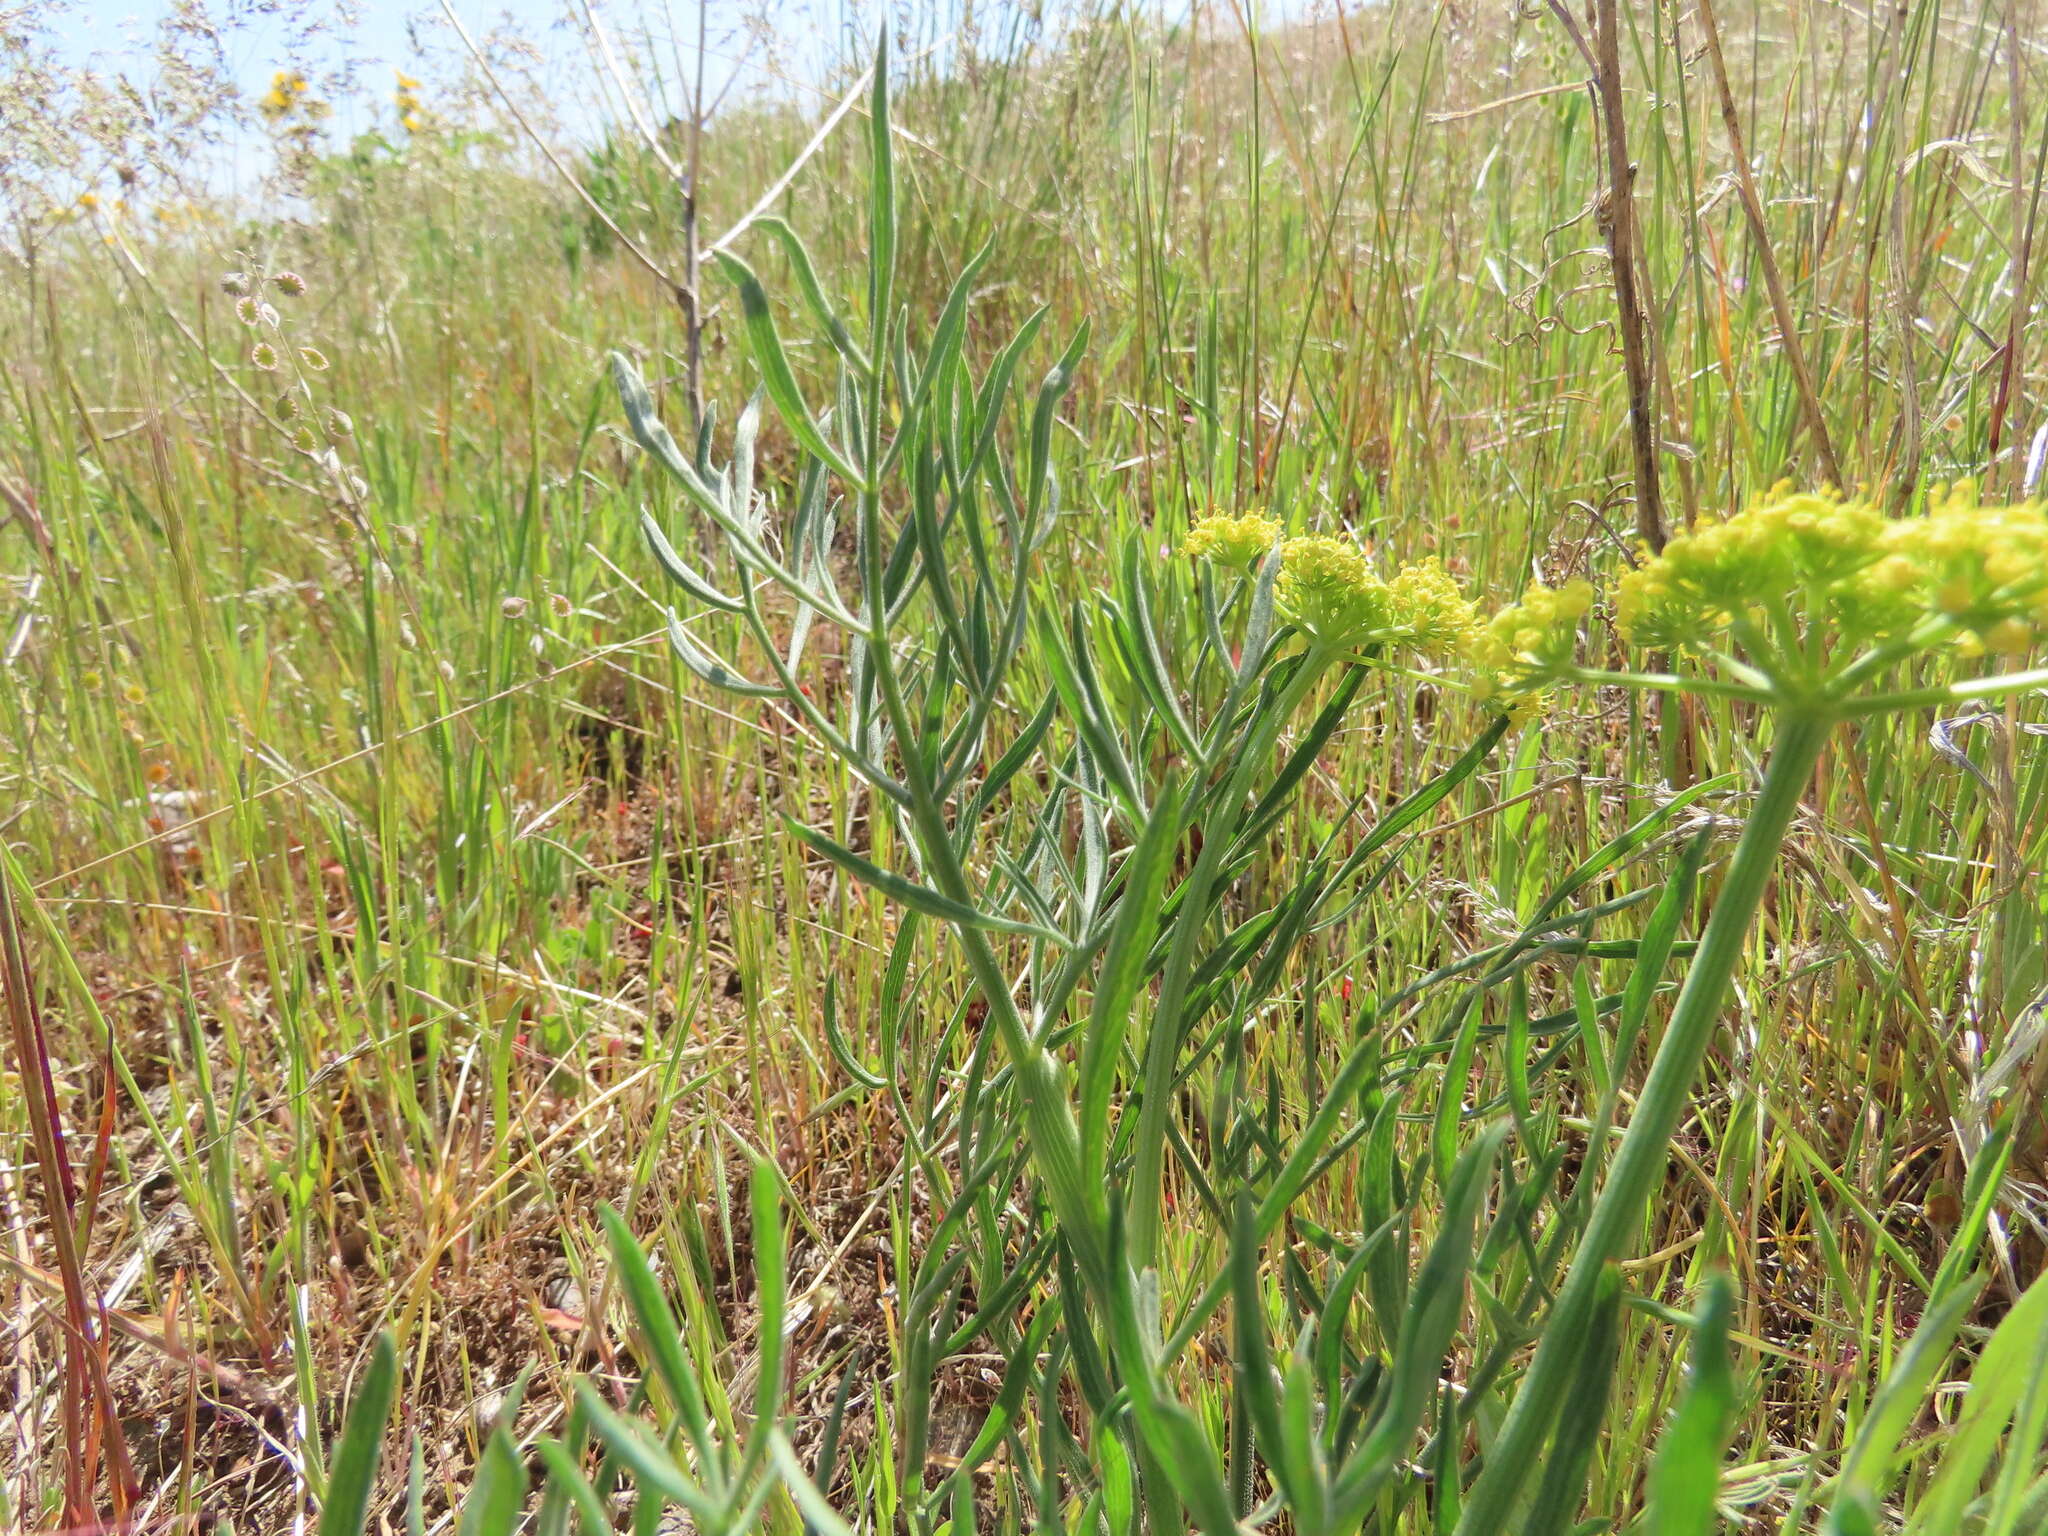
[[1089, 836], [1807, 606], [1073, 814], [1115, 967]]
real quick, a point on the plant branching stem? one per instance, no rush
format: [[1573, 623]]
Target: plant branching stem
[[1616, 1219]]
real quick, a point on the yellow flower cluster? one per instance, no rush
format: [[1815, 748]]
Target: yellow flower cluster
[[1328, 590], [1985, 569], [1539, 632], [1522, 646], [1239, 540], [287, 95], [1815, 559], [411, 115], [1438, 615]]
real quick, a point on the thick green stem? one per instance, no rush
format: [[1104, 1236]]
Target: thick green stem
[[1639, 1166]]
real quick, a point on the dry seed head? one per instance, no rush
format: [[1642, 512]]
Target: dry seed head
[[234, 284], [339, 423], [513, 607]]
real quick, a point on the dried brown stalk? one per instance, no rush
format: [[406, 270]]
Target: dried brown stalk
[[1617, 220], [1774, 283], [91, 1420]]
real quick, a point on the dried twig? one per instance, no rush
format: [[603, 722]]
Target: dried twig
[[1903, 306], [91, 1421], [1774, 283], [2009, 364], [1617, 222], [639, 254]]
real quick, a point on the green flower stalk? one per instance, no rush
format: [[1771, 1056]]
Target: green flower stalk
[[1326, 590], [1802, 604]]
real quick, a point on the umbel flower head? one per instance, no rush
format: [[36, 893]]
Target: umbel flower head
[[1239, 540], [1328, 590], [1807, 597], [1982, 569], [1796, 568], [1809, 554], [1523, 647]]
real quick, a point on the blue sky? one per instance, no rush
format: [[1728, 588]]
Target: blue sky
[[376, 36], [371, 39]]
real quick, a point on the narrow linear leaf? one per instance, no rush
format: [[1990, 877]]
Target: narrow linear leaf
[[353, 1475], [1685, 1477], [765, 344], [680, 572], [919, 898]]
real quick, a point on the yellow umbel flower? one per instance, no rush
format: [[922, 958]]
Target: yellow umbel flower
[[1796, 562], [1539, 633], [1431, 608], [1808, 600], [1239, 540], [1806, 553], [1525, 646], [1328, 591], [1984, 569]]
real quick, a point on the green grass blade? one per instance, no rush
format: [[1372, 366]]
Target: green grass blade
[[1579, 1429], [1685, 1478], [352, 1476], [662, 1338]]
